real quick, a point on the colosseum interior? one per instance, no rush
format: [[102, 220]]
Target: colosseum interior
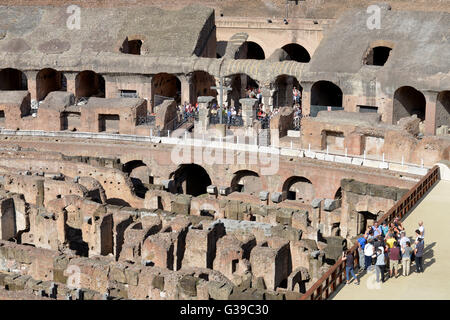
[[111, 187]]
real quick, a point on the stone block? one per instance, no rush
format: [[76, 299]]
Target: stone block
[[219, 290], [331, 204], [188, 286], [315, 203], [276, 197], [264, 195]]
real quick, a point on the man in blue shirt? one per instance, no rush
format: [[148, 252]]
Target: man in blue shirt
[[376, 230], [385, 228], [361, 244]]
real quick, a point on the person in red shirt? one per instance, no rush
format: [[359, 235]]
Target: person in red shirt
[[394, 258]]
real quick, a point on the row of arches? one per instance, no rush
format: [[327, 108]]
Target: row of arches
[[87, 83], [252, 50], [407, 100]]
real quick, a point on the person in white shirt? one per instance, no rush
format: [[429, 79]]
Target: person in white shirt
[[404, 239], [368, 253], [422, 229]]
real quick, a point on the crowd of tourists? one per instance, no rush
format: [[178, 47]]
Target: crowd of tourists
[[387, 245], [233, 113]]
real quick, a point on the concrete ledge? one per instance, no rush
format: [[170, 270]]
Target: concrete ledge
[[371, 163], [341, 159], [320, 156], [293, 133]]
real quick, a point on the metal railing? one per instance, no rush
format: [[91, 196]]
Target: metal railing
[[331, 280], [147, 120]]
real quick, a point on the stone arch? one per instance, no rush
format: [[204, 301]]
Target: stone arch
[[246, 181], [202, 82], [326, 93], [140, 175], [408, 101], [250, 50], [89, 84], [378, 53], [165, 85], [48, 80], [298, 188], [443, 109], [284, 85], [13, 79], [191, 179], [296, 52]]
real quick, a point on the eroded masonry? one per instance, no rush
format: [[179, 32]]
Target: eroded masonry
[[102, 195]]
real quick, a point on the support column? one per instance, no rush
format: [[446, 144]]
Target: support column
[[31, 82], [111, 90], [249, 107], [71, 84], [306, 98], [430, 112], [204, 112], [267, 93], [186, 88]]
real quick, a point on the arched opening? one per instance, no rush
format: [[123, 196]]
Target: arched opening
[[288, 91], [48, 80], [202, 82], [131, 46], [13, 79], [140, 176], [89, 84], [377, 56], [298, 188], [443, 109], [326, 93], [165, 86], [408, 101], [297, 53], [250, 50], [241, 86], [191, 179], [246, 181]]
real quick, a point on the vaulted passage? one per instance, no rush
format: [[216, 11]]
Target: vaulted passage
[[240, 84], [140, 175], [48, 80], [246, 181], [13, 79], [296, 52], [284, 91], [407, 102], [165, 86], [443, 109], [202, 83], [251, 50], [298, 188], [89, 84], [326, 93], [191, 179]]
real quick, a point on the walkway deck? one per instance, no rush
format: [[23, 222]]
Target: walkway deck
[[434, 283]]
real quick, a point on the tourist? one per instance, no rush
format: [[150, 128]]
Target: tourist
[[418, 252], [398, 226], [422, 230], [368, 253], [390, 240], [406, 258], [404, 239], [394, 258], [349, 263], [361, 244], [379, 242], [376, 229], [384, 228], [380, 264]]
